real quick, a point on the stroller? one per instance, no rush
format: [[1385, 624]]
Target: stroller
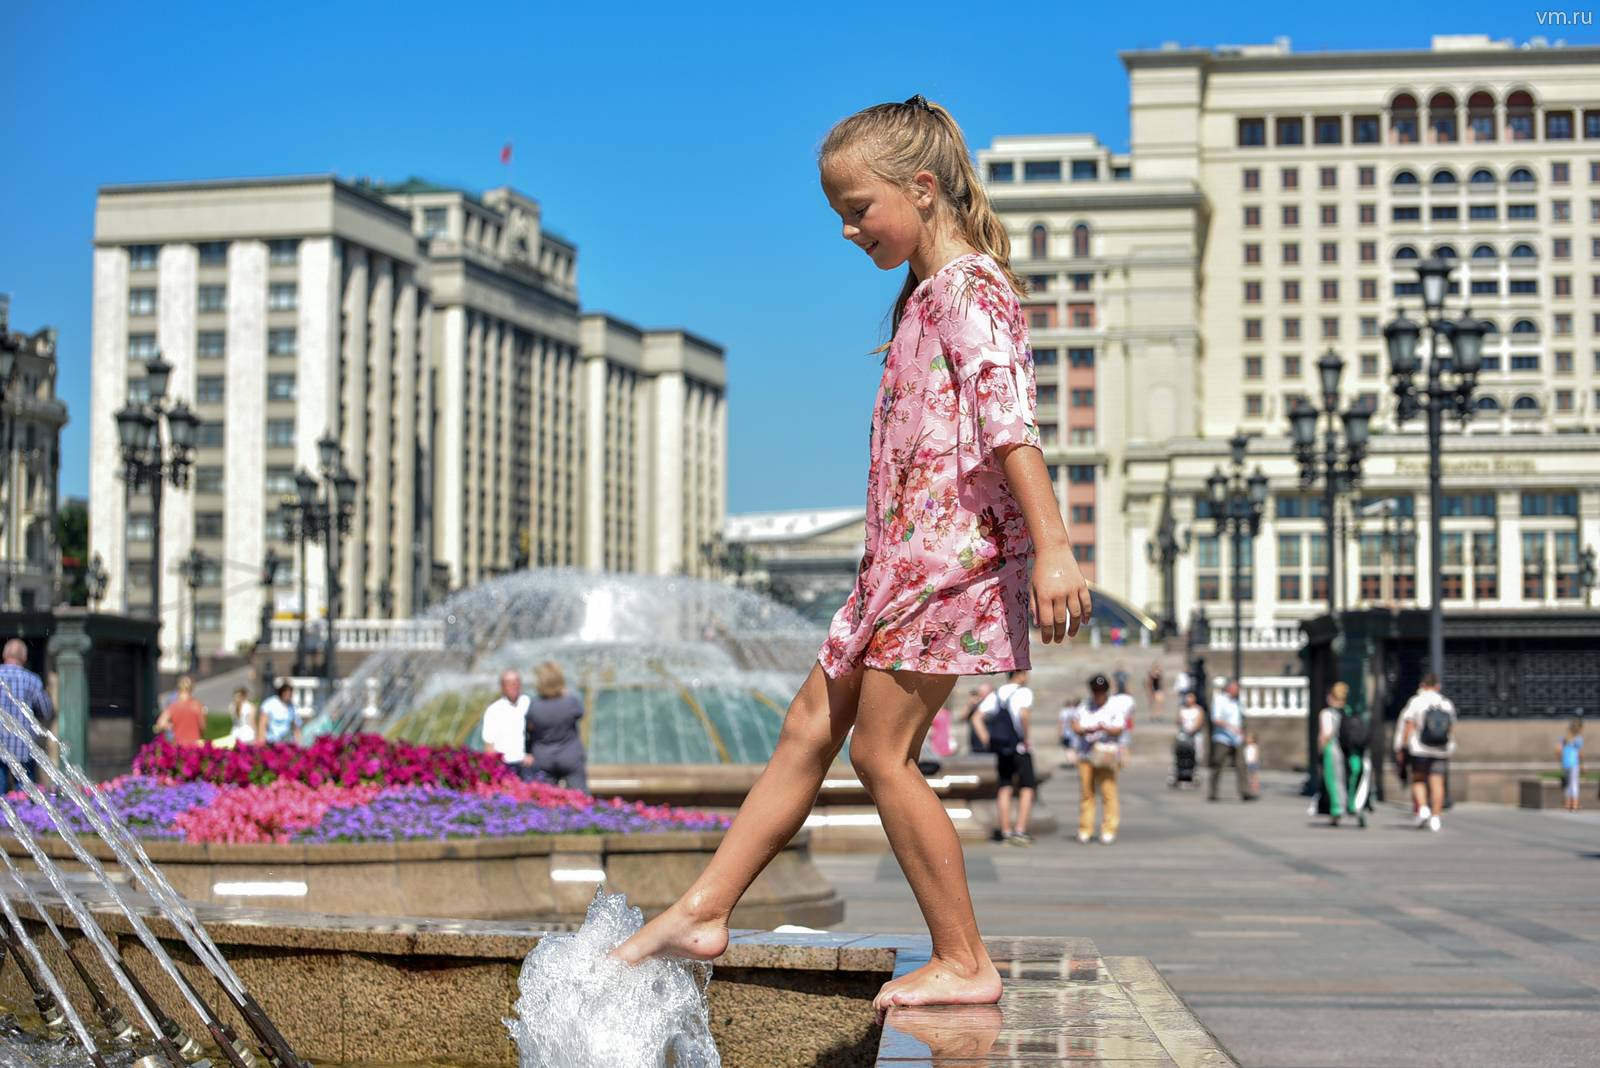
[[1184, 760]]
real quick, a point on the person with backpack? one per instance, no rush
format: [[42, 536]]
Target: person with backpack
[[1002, 725], [1342, 737], [1099, 723], [1427, 728]]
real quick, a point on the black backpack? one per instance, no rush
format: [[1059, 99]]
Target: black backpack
[[1003, 736], [1352, 732], [1435, 732]]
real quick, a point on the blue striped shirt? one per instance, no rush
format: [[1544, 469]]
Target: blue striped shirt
[[20, 684]]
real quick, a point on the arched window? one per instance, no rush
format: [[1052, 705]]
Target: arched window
[[1525, 403], [1480, 116], [1080, 240], [1445, 252], [1520, 176], [1524, 326], [1442, 118], [1482, 176], [1039, 242], [1403, 119], [1523, 251], [1519, 116], [1405, 252], [1483, 252], [1489, 326], [1444, 176], [1488, 404], [1405, 178]]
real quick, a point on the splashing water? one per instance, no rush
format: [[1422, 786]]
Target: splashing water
[[580, 1009]]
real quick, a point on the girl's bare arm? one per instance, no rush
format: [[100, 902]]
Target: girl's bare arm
[[1060, 596]]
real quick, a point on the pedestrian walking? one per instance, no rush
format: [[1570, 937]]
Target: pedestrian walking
[[278, 720], [184, 718], [505, 726], [1187, 741], [1227, 741], [243, 713], [1427, 732], [552, 724], [975, 699], [1120, 677], [1005, 717], [1099, 723], [1155, 687], [24, 702], [1069, 736], [1342, 737], [1572, 762]]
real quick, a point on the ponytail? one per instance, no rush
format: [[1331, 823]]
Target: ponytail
[[895, 141]]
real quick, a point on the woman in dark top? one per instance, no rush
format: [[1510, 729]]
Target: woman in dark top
[[553, 738]]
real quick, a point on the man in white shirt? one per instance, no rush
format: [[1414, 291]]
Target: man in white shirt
[[505, 726], [1426, 734], [1002, 723], [1098, 724], [1227, 740]]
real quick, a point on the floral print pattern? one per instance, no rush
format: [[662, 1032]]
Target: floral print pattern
[[943, 583]]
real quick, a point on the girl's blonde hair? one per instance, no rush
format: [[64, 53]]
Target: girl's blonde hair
[[548, 680], [894, 142]]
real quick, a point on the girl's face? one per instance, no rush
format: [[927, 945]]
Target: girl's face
[[886, 221]]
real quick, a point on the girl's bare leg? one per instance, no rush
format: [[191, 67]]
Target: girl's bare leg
[[896, 709], [696, 925]]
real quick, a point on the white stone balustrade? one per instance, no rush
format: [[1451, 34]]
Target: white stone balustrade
[[1272, 695], [1282, 635], [363, 634]]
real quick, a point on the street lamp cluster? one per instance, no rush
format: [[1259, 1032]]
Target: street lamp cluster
[[153, 460], [323, 517], [1237, 503], [1339, 465], [192, 569], [1447, 383]]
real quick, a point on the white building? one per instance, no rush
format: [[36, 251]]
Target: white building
[[1272, 207], [30, 445]]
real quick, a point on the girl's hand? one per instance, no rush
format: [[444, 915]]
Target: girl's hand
[[1060, 596]]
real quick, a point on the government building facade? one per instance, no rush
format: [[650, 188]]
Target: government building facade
[[1272, 207], [437, 335]]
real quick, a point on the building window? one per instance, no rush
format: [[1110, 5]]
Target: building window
[[1080, 474], [282, 342], [211, 344], [139, 527], [1291, 367], [1041, 170], [1252, 215], [1291, 132], [1080, 315], [280, 433], [208, 617], [1564, 362], [1330, 327], [280, 481], [436, 222], [143, 257], [280, 387], [208, 524], [1081, 282], [1369, 364], [1364, 129], [1002, 172], [213, 253], [1252, 252], [283, 296], [1080, 240], [1558, 126], [1483, 212], [1252, 133], [1444, 213], [1038, 283], [1039, 242], [1328, 178], [1330, 252], [209, 435], [141, 301], [1251, 177], [1044, 357], [142, 348], [1252, 292], [1291, 328], [208, 389], [1369, 289], [1083, 513], [1406, 213], [1252, 404], [1368, 251], [1252, 366], [1252, 328], [1522, 211], [1289, 177], [212, 299], [1291, 291], [1291, 252], [1329, 215], [1291, 215], [1085, 170], [1080, 357], [283, 252], [1083, 398]]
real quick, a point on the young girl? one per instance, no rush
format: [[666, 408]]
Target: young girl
[[1572, 762], [958, 503]]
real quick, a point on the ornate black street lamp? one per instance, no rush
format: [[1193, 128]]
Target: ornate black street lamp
[[1237, 503], [1586, 576], [325, 518], [147, 460], [1339, 466], [1433, 397], [271, 564], [96, 580], [1163, 551], [192, 569]]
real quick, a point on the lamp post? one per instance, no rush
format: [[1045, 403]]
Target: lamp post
[[1339, 466], [1433, 397], [1236, 505], [1163, 551], [96, 579], [148, 462], [192, 568], [326, 518], [1586, 576], [271, 564]]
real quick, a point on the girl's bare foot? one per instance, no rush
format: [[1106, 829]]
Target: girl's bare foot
[[938, 982], [676, 933]]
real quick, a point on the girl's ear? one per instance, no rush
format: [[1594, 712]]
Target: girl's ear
[[927, 189]]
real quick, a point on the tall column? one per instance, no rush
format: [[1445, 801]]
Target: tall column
[[244, 462], [325, 291], [447, 454], [108, 392], [666, 481], [595, 397], [175, 334]]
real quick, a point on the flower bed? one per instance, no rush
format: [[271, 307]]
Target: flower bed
[[358, 788]]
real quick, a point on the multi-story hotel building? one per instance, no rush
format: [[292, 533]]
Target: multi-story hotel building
[[30, 449], [1272, 207], [437, 336]]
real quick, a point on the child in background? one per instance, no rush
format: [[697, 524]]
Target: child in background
[[1252, 761], [1572, 762]]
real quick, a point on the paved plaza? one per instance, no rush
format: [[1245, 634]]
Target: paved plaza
[[1303, 946]]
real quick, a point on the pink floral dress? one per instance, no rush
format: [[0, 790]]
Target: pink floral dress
[[943, 584]]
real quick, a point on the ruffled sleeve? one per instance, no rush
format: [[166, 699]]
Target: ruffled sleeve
[[985, 344]]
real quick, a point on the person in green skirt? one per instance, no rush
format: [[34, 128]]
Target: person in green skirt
[[1342, 740]]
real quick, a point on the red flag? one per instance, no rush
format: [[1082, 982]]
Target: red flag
[[505, 153]]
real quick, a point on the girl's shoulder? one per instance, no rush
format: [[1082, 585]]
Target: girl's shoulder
[[972, 277]]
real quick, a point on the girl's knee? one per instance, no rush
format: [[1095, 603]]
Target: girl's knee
[[807, 726]]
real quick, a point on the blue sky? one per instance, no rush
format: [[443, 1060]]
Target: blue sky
[[675, 144]]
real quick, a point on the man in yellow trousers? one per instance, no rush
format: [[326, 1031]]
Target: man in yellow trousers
[[1098, 724]]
